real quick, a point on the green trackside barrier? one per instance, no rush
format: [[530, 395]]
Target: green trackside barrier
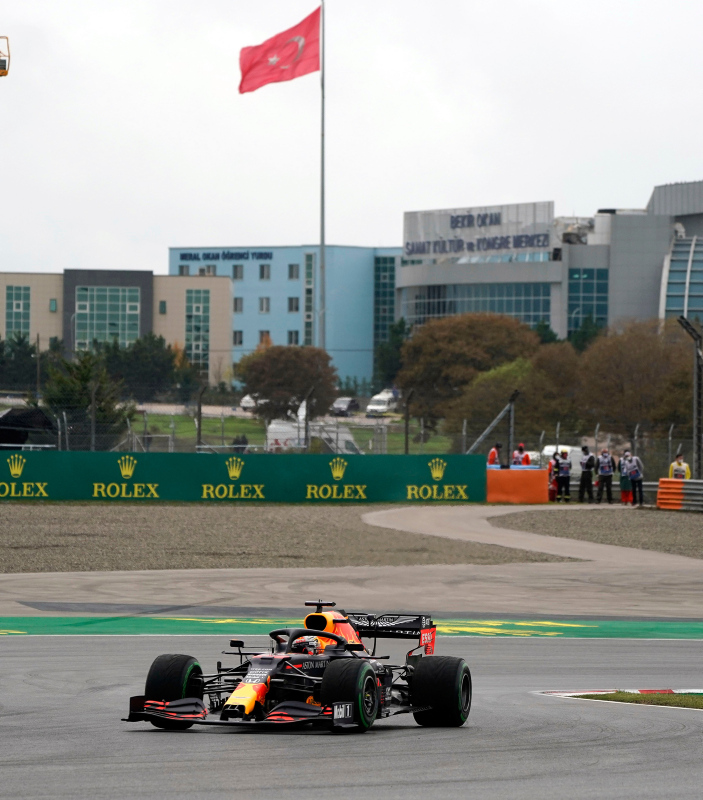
[[209, 478]]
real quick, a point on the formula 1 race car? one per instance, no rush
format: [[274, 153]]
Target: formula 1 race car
[[319, 674]]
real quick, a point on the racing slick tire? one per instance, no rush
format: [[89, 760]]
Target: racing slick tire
[[352, 680], [172, 677], [443, 682]]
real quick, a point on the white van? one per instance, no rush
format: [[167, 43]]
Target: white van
[[382, 404]]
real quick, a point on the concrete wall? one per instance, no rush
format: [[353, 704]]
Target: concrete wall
[[171, 325], [43, 288], [639, 244]]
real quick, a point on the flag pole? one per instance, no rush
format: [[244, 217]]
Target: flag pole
[[322, 339]]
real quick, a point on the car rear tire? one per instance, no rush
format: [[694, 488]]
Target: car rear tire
[[172, 677], [352, 680], [443, 682]]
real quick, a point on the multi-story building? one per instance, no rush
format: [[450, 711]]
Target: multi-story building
[[276, 297], [522, 261], [80, 307]]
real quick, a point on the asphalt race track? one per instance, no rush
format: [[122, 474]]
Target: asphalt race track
[[63, 697]]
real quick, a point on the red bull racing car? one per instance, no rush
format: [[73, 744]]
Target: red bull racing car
[[321, 674]]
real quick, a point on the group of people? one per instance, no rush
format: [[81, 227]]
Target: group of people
[[595, 469], [520, 457], [603, 468]]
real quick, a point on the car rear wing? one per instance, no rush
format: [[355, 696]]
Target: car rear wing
[[396, 626]]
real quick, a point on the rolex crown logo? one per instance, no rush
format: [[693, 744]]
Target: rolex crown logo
[[338, 465], [437, 467], [234, 467], [127, 465], [16, 463]]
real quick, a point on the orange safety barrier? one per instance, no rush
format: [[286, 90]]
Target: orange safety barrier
[[670, 493], [517, 486]]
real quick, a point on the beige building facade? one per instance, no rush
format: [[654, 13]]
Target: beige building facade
[[80, 307]]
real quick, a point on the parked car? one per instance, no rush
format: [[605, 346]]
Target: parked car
[[247, 403], [381, 404], [344, 406]]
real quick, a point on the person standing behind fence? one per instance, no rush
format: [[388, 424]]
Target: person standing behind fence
[[635, 472], [625, 482], [679, 469], [494, 455], [553, 472], [588, 463], [564, 477], [606, 467], [520, 457]]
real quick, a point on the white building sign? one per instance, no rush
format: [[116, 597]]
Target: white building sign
[[461, 231]]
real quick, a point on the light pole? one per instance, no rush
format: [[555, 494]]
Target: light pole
[[697, 337]]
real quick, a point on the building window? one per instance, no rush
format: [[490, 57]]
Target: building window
[[264, 272], [208, 269], [588, 297], [237, 338], [237, 272], [264, 305], [197, 323], [106, 314], [293, 337], [264, 337], [294, 272], [309, 324], [528, 302], [293, 305], [16, 310], [184, 269], [53, 306], [162, 306], [238, 305]]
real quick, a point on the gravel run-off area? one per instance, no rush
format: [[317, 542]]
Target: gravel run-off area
[[87, 537], [677, 532]]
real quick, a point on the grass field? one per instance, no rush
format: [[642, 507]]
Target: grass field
[[218, 431], [663, 699]]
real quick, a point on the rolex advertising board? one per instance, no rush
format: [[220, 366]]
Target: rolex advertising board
[[479, 231], [206, 478]]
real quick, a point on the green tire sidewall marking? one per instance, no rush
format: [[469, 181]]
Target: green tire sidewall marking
[[187, 678]]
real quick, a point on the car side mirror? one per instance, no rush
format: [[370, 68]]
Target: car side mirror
[[236, 643], [354, 647]]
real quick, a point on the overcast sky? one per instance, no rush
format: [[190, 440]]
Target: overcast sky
[[122, 131]]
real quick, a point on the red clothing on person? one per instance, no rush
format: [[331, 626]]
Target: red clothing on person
[[521, 458], [494, 456]]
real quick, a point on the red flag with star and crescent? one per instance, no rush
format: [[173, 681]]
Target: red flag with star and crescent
[[287, 55]]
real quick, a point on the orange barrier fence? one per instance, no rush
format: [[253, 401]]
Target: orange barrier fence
[[517, 486], [678, 495]]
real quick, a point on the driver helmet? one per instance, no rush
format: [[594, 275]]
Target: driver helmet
[[306, 644]]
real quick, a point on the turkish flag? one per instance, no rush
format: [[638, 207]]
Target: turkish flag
[[287, 55]]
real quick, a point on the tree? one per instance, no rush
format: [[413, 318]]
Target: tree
[[19, 363], [587, 332], [548, 385], [146, 367], [72, 388], [445, 355], [281, 377], [639, 375], [185, 375], [545, 333], [387, 358]]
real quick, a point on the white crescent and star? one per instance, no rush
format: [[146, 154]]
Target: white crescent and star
[[300, 41]]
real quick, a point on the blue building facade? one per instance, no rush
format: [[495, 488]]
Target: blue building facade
[[277, 297]]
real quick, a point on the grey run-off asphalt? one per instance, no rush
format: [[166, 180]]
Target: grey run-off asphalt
[[62, 699]]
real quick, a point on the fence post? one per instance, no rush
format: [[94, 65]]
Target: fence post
[[65, 431], [595, 438], [634, 443], [541, 447], [463, 436], [558, 427], [407, 420], [93, 389]]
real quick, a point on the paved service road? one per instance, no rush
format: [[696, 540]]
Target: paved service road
[[62, 699]]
